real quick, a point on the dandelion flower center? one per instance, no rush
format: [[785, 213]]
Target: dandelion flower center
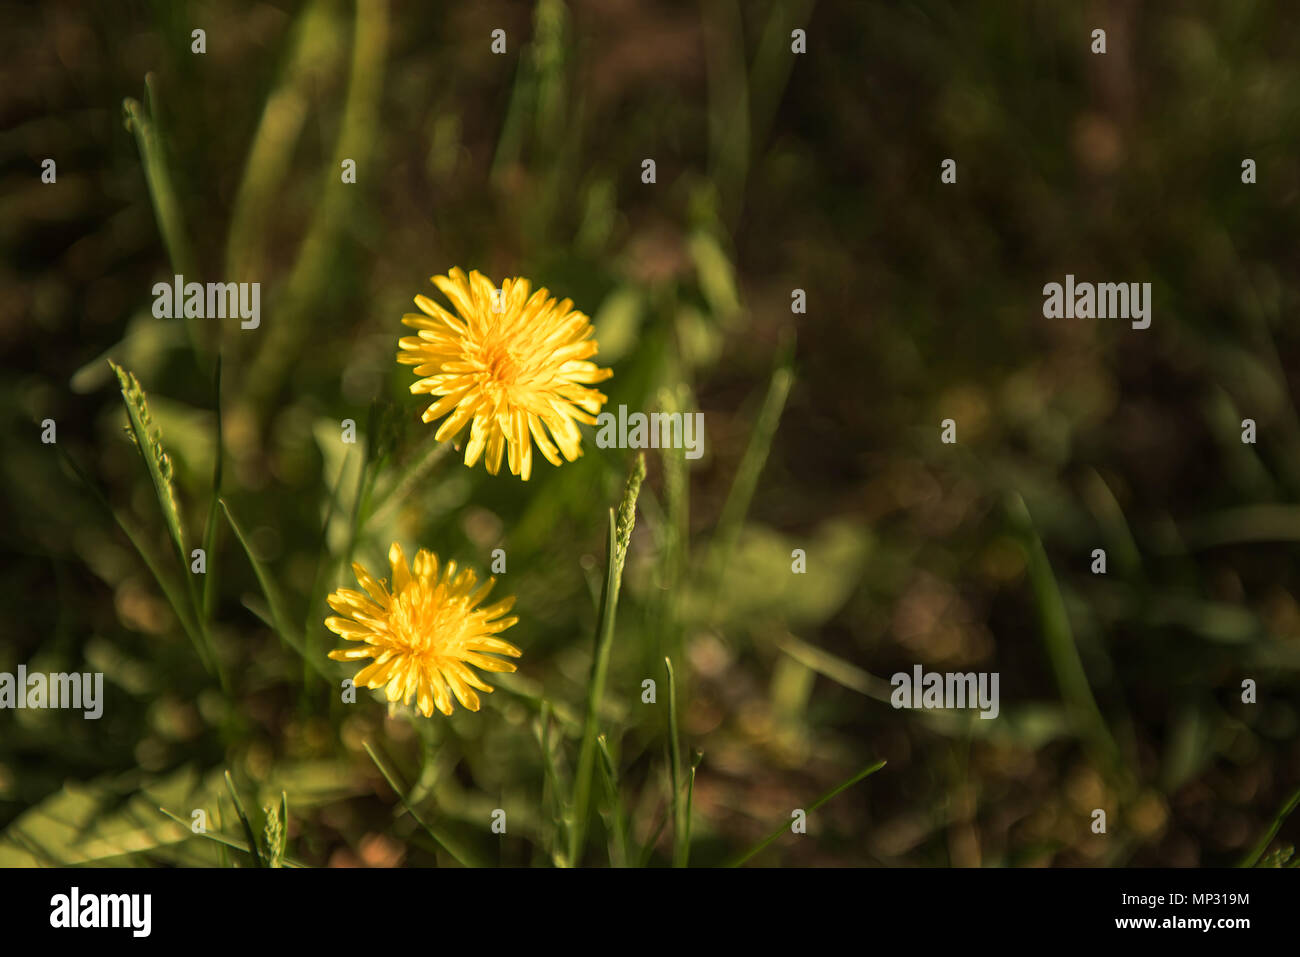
[[503, 369], [418, 622]]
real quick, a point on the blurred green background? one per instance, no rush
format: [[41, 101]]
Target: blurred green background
[[775, 171]]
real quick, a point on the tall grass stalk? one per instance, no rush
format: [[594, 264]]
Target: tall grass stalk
[[619, 536]]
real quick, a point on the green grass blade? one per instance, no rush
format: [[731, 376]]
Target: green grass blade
[[357, 139], [772, 65], [263, 615], [141, 121], [648, 850], [617, 811], [284, 823], [620, 535], [676, 525], [148, 441], [278, 617], [411, 476], [866, 772], [751, 465], [210, 528], [1244, 524], [278, 620], [1058, 636], [271, 153], [728, 102], [1110, 517], [313, 623], [221, 824], [458, 854], [680, 836], [559, 800], [696, 758], [1252, 858], [167, 208], [530, 693], [253, 851], [174, 597]]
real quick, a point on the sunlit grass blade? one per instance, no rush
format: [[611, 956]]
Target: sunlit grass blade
[[866, 772], [1256, 852], [216, 837], [253, 850], [842, 672], [148, 440], [458, 854], [619, 536], [850, 676]]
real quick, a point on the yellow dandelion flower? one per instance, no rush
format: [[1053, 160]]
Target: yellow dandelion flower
[[424, 634], [510, 366]]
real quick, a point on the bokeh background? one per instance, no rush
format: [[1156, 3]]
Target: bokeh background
[[775, 171]]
